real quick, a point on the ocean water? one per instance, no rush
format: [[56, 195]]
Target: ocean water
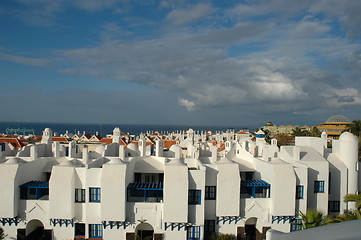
[[25, 128]]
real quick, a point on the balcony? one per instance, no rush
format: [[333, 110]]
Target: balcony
[[255, 189], [35, 190], [145, 192]]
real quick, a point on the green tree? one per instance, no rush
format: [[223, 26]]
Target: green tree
[[348, 215], [297, 131], [284, 139], [356, 127], [315, 132], [221, 236], [314, 218]]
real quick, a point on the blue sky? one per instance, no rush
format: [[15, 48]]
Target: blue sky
[[228, 63]]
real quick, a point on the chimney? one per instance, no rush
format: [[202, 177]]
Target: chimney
[[159, 148], [72, 146], [121, 152], [214, 154], [142, 147], [56, 152], [33, 152], [85, 155], [296, 153]]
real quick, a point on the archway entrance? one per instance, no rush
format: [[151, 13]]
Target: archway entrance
[[144, 231], [34, 230], [250, 228]]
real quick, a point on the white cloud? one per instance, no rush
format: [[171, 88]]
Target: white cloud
[[189, 105], [40, 62], [190, 14], [276, 64]]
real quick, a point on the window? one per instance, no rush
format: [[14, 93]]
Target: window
[[319, 187], [299, 192], [79, 229], [94, 194], [95, 231], [296, 225], [209, 226], [194, 197], [79, 195], [194, 233], [210, 193], [334, 206]]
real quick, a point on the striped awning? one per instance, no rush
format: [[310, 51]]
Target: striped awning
[[146, 186], [35, 184], [256, 183]]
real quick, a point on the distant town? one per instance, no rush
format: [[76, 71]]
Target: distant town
[[177, 185]]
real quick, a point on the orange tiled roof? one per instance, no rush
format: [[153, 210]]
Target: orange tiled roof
[[241, 132], [106, 140], [214, 142], [15, 142], [169, 143], [59, 139], [221, 147], [147, 143]]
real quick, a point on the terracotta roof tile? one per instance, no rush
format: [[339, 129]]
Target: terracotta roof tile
[[59, 139], [221, 147], [169, 143], [106, 140]]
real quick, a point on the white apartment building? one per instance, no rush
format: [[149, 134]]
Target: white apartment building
[[187, 191]]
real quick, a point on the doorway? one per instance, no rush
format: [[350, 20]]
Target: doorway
[[34, 230], [144, 231], [250, 229]]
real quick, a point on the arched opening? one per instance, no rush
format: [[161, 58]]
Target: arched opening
[[144, 231], [35, 230], [250, 228]]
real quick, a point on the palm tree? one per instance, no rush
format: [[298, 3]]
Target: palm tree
[[354, 198], [315, 132], [314, 218], [297, 131]]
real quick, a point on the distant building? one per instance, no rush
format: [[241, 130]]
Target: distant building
[[335, 125], [283, 129]]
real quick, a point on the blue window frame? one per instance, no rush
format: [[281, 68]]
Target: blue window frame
[[35, 190], [79, 195], [334, 206], [319, 187], [296, 225], [94, 194], [194, 197], [194, 233], [299, 192], [95, 230], [210, 193]]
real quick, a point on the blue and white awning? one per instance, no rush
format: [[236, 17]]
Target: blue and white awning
[[256, 183], [146, 186], [35, 184]]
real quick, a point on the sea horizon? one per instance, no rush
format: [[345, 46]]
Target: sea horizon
[[37, 128]]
